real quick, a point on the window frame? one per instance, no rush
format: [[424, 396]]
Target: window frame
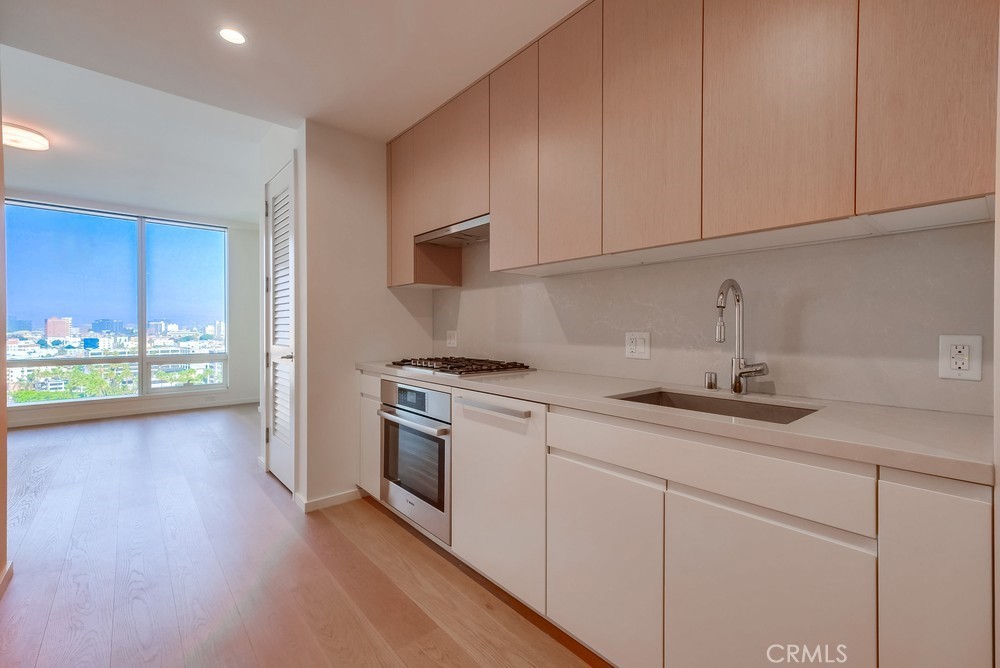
[[143, 360]]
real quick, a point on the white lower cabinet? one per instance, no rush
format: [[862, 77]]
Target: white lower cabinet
[[747, 586], [935, 572], [605, 559], [370, 433], [498, 491]]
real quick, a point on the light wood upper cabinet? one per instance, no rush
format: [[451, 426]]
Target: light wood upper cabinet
[[569, 138], [454, 148], [779, 117], [652, 123], [514, 162], [404, 189], [927, 92], [438, 175], [934, 572]]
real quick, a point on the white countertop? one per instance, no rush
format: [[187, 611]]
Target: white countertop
[[951, 445]]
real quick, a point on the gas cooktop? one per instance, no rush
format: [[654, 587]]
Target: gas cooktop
[[460, 366]]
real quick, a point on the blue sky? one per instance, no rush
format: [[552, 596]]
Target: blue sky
[[85, 267]]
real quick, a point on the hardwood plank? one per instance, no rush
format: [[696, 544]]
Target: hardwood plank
[[144, 627], [436, 648], [277, 632], [32, 466], [396, 616], [25, 607], [346, 636], [212, 631], [490, 632], [78, 632]]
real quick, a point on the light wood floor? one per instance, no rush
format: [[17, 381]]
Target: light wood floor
[[158, 541]]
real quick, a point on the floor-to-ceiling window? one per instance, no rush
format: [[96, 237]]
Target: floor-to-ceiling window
[[106, 305]]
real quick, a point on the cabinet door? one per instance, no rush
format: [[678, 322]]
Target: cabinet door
[[605, 559], [498, 491], [927, 87], [369, 433], [652, 123], [934, 572], [514, 162], [404, 186], [744, 586], [779, 118], [569, 138], [453, 145]]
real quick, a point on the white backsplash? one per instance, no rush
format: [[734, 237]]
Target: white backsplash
[[852, 320]]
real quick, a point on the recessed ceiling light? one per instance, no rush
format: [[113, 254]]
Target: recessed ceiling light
[[232, 36], [17, 136]]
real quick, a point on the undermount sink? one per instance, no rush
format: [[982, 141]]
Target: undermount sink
[[739, 408]]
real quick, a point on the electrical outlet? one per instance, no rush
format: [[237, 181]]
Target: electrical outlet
[[960, 357], [452, 338], [637, 345]]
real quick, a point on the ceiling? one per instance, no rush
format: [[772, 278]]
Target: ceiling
[[372, 67], [119, 144]]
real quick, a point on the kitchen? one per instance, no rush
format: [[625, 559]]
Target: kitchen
[[581, 153], [837, 161]]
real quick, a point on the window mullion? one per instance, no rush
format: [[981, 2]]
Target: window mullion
[[144, 376]]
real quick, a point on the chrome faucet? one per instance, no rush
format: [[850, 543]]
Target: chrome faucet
[[741, 368]]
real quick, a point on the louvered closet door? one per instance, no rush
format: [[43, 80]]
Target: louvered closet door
[[281, 327]]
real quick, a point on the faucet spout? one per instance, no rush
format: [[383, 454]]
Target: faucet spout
[[741, 368]]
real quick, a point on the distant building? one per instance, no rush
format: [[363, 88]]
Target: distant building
[[56, 328], [51, 385], [107, 326], [15, 324], [91, 343], [220, 329], [173, 327], [156, 327]]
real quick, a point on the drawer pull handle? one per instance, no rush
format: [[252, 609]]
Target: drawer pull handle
[[490, 408]]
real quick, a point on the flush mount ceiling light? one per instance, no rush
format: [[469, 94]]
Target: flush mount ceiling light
[[17, 136], [232, 36]]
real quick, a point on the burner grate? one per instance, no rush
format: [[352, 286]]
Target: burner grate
[[460, 366]]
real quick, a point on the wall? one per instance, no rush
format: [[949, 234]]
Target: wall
[[346, 314], [854, 320], [6, 568], [244, 315]]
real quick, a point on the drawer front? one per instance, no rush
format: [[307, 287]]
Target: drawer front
[[835, 492], [370, 385]]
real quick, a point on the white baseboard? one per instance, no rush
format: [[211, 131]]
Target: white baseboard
[[261, 464], [326, 501], [95, 409], [8, 573]]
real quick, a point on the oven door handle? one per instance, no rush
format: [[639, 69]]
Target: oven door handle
[[430, 431]]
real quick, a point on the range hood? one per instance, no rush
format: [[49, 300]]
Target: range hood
[[467, 232]]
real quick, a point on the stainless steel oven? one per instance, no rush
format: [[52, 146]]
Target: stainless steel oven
[[416, 455]]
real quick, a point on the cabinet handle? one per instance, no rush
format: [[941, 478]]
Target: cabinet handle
[[490, 408]]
